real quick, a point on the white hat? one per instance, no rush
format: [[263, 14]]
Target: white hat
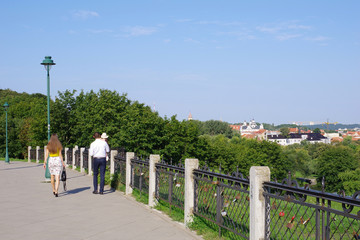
[[104, 135]]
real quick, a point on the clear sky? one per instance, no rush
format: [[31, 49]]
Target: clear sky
[[272, 61]]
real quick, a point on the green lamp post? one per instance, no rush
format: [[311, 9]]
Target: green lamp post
[[6, 107], [47, 63]]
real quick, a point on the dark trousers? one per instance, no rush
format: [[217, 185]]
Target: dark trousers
[[99, 163]]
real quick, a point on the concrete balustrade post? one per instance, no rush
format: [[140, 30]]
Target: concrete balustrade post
[[37, 153], [90, 165], [113, 153], [258, 175], [129, 156], [73, 157], [45, 147], [190, 165], [82, 159], [66, 156], [152, 178], [29, 153]]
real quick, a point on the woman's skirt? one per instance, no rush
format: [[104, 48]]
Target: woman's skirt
[[55, 165]]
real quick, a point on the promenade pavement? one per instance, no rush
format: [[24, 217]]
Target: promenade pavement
[[29, 210]]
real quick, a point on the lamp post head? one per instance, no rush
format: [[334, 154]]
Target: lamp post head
[[6, 106], [48, 61]]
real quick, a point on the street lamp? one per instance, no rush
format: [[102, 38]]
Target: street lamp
[[6, 107], [48, 62]]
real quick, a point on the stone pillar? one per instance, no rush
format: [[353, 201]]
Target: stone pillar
[[129, 156], [152, 178], [82, 159], [73, 157], [190, 165], [37, 154], [66, 156], [29, 153], [113, 153], [258, 175], [45, 147], [90, 165]]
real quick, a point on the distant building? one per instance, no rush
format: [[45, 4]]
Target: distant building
[[298, 138], [235, 127], [251, 127], [190, 117]]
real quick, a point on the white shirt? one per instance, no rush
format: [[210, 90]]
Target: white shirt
[[98, 149]]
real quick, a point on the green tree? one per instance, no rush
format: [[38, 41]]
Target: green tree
[[331, 162]]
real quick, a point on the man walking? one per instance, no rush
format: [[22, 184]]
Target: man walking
[[98, 150]]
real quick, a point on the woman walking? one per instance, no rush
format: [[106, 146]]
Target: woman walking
[[56, 162]]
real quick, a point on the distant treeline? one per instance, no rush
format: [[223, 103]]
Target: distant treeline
[[75, 116]]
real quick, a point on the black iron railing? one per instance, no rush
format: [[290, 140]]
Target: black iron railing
[[140, 174], [86, 159], [77, 158], [41, 154], [32, 154], [223, 200], [69, 156], [120, 165], [294, 212], [170, 184]]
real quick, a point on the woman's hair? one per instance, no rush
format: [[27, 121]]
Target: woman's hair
[[54, 144]]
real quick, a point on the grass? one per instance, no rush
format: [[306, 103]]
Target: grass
[[14, 160]]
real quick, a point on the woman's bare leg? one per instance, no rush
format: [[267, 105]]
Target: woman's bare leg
[[52, 183], [57, 183]]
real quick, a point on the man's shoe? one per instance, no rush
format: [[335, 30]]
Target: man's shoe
[[101, 193], [95, 192]]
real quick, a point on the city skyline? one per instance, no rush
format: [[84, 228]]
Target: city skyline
[[275, 62]]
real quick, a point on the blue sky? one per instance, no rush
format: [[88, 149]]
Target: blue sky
[[274, 61]]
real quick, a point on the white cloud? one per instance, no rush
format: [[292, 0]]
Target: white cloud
[[183, 20], [84, 14], [167, 40], [268, 29], [191, 40], [140, 31], [285, 36], [99, 31], [318, 39]]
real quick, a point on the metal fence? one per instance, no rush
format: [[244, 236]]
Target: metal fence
[[77, 158], [170, 184], [140, 174], [223, 200], [33, 154], [86, 159], [69, 156], [120, 166], [41, 154], [294, 212]]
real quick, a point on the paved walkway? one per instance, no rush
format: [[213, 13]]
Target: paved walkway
[[29, 210]]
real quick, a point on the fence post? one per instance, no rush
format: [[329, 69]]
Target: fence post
[[82, 159], [154, 158], [73, 157], [29, 153], [113, 153], [45, 147], [129, 156], [90, 158], [258, 175], [190, 165], [37, 154], [66, 156]]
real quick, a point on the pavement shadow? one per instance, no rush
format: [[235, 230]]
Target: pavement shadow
[[14, 168], [74, 191], [109, 191]]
